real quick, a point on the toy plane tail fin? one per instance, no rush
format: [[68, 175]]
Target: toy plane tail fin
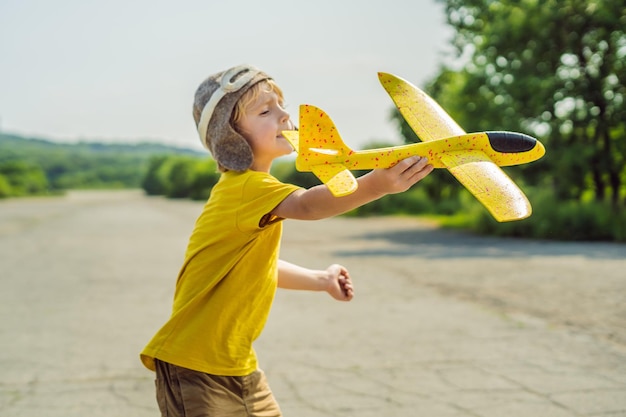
[[319, 134], [321, 150]]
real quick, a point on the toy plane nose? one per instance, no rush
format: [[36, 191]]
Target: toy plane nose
[[511, 142]]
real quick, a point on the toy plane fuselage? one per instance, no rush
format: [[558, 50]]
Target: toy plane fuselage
[[516, 149], [472, 158]]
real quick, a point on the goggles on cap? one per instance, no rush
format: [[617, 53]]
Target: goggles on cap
[[231, 81]]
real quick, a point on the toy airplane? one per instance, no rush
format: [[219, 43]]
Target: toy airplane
[[472, 158]]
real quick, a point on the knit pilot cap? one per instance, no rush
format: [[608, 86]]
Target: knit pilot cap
[[214, 103]]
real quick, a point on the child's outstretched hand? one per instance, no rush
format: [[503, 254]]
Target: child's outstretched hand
[[339, 284], [401, 176]]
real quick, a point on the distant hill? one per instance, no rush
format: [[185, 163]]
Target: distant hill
[[35, 165], [14, 145]]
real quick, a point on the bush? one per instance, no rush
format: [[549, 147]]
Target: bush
[[205, 177], [559, 220], [5, 187], [180, 177], [287, 172], [412, 202], [152, 183], [22, 179]]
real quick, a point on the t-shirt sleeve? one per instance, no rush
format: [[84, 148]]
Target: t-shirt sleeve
[[261, 194]]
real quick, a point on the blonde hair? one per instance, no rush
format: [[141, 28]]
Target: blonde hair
[[265, 86]]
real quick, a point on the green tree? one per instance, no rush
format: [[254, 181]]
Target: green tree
[[181, 172], [153, 183], [554, 69], [205, 177], [5, 187], [23, 178], [177, 176]]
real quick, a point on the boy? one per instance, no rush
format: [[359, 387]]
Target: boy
[[203, 355]]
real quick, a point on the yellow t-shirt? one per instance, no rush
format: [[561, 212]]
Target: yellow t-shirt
[[227, 283]]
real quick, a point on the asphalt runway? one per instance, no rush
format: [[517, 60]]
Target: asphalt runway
[[442, 324]]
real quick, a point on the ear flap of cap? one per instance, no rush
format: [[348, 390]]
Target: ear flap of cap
[[232, 151], [227, 146]]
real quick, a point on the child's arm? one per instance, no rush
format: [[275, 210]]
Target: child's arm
[[318, 203], [335, 280]]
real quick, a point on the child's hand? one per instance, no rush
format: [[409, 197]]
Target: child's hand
[[401, 176], [339, 284]]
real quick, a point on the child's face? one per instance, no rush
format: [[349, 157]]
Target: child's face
[[262, 124]]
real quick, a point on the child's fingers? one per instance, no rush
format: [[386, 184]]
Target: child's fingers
[[418, 167], [409, 171], [346, 287], [420, 170], [410, 163]]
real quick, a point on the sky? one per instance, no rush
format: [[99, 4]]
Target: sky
[[127, 70]]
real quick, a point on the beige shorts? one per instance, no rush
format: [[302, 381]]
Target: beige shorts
[[182, 392]]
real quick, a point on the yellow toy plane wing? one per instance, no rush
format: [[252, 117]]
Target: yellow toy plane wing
[[425, 116], [489, 184]]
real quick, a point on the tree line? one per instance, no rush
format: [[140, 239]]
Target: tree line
[[32, 166], [175, 174]]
